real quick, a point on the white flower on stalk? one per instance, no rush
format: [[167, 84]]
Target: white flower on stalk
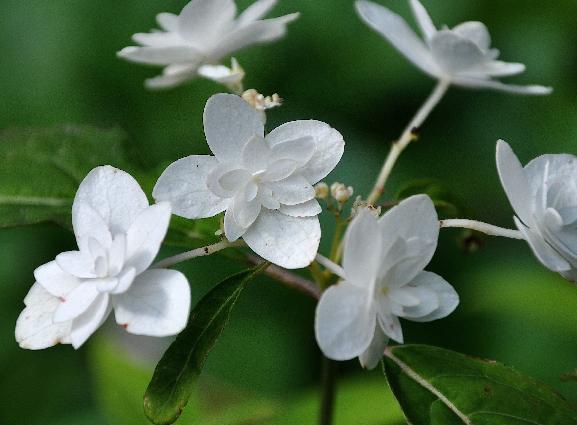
[[193, 43], [544, 197], [118, 235], [461, 55], [265, 184], [383, 279]]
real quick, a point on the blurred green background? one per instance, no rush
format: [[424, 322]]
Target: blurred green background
[[59, 66]]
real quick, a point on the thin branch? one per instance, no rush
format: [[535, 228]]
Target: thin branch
[[329, 265], [199, 252], [288, 278], [479, 226]]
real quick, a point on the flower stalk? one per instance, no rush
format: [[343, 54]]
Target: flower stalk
[[479, 226]]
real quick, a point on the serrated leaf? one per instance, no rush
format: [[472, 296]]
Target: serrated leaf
[[177, 371], [435, 386], [41, 170]]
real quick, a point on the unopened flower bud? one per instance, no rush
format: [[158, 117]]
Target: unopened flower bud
[[322, 190], [360, 205], [260, 102], [341, 193]]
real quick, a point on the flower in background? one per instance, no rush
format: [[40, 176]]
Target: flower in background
[[461, 55], [265, 184], [383, 279], [118, 236], [544, 198], [193, 43]]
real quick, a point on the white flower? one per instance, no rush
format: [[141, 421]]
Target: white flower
[[263, 183], [383, 280], [461, 55], [544, 197], [118, 236], [194, 42]]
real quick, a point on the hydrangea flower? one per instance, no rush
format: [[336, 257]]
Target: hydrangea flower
[[461, 55], [118, 236], [194, 42], [265, 184], [544, 198], [383, 279]]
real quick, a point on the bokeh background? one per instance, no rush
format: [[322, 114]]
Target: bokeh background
[[59, 66]]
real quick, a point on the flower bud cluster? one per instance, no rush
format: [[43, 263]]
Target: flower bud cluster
[[341, 193], [260, 102]]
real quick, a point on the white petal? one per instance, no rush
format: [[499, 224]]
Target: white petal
[[264, 31], [286, 241], [280, 170], [168, 81], [162, 56], [328, 151], [184, 185], [300, 150], [391, 326], [114, 195], [89, 225], [232, 229], [344, 322], [55, 280], [125, 280], [423, 19], [229, 124], [394, 28], [373, 355], [477, 83], [455, 53], [167, 21], [476, 32], [157, 39], [157, 304], [306, 209], [85, 325], [76, 263], [34, 327], [117, 254], [447, 298], [221, 74], [542, 250], [498, 69], [293, 190], [203, 22], [362, 249], [77, 302], [256, 154], [514, 181], [245, 213], [145, 236], [255, 11]]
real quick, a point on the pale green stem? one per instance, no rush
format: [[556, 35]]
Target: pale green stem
[[199, 252], [479, 226]]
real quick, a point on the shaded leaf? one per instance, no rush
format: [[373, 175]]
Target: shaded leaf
[[177, 371], [445, 202], [442, 387]]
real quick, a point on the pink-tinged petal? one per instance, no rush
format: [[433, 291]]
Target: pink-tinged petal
[[76, 302], [289, 242], [86, 324], [184, 185], [145, 236], [344, 322], [55, 280], [35, 329], [157, 304], [114, 194], [329, 146], [229, 124]]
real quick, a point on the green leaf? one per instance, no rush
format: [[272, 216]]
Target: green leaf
[[444, 201], [177, 371], [41, 170], [435, 386]]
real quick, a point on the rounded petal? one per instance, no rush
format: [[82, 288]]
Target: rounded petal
[[423, 19], [300, 150], [344, 322], [86, 324], [374, 353], [515, 182], [55, 280], [536, 169], [245, 213], [229, 124], [203, 22], [114, 194], [288, 242], [394, 29], [329, 146], [184, 185], [145, 236], [447, 297], [89, 225], [35, 329], [77, 302], [454, 53], [157, 304], [76, 263], [256, 154], [167, 21], [362, 250], [476, 32], [232, 230], [293, 190], [391, 326], [306, 209]]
